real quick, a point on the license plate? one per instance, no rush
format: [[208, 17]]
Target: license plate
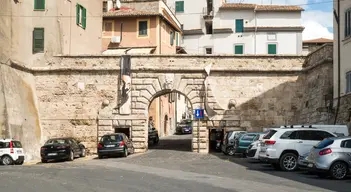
[[110, 145], [310, 165], [52, 154]]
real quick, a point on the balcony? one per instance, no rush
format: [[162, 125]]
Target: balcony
[[208, 13]]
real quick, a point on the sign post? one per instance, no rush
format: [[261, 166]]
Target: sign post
[[199, 114]]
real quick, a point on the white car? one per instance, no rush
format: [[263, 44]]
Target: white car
[[281, 147], [11, 152], [254, 148]]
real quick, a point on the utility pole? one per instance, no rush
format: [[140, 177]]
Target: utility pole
[[337, 18]]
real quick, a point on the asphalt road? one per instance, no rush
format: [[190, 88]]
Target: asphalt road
[[168, 167]]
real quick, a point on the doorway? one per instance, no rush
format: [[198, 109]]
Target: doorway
[[124, 129]]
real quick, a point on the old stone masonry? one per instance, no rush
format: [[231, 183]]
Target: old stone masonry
[[79, 96]]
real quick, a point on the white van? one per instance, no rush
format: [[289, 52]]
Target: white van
[[339, 130]]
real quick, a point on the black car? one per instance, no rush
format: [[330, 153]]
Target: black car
[[115, 144], [62, 149], [153, 135]]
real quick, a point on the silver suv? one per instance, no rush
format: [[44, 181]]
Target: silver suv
[[331, 157]]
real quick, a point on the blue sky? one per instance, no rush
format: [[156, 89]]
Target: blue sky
[[317, 17]]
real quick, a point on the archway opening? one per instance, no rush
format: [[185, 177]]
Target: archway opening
[[170, 122]]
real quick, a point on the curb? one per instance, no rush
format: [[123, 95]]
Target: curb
[[31, 163]]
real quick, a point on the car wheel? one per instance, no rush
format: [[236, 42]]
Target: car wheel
[[288, 162], [230, 151], [338, 170], [44, 161], [7, 160], [156, 140], [125, 154], [83, 154], [71, 156]]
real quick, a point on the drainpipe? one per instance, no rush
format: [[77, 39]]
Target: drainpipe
[[160, 35], [255, 30], [337, 18]]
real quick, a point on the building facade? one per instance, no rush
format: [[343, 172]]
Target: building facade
[[311, 45], [217, 27], [344, 112], [131, 26]]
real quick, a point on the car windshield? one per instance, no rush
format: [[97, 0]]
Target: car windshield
[[186, 122], [56, 141], [16, 144], [324, 143], [111, 138], [248, 137]]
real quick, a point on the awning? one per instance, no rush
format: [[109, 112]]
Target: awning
[[129, 51]]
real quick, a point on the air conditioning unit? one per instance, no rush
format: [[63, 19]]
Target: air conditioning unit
[[116, 39]]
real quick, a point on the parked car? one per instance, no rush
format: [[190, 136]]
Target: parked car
[[185, 127], [331, 157], [153, 135], [339, 130], [228, 145], [11, 152], [254, 148], [62, 149], [244, 141], [281, 147], [115, 144], [302, 161]]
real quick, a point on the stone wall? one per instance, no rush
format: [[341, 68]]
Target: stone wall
[[78, 95], [19, 115]]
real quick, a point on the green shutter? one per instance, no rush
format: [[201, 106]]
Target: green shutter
[[177, 39], [272, 49], [179, 6], [39, 4], [239, 49], [239, 25], [77, 14], [38, 40], [84, 18]]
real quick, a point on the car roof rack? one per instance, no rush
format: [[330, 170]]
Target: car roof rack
[[297, 126]]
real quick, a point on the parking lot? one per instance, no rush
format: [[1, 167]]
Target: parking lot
[[169, 166]]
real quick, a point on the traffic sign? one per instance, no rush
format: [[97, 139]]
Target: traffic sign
[[199, 113]]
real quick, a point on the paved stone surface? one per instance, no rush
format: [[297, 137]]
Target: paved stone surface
[[166, 167]]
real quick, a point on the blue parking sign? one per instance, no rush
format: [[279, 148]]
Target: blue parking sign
[[199, 113]]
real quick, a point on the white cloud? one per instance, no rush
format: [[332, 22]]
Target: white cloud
[[316, 22]]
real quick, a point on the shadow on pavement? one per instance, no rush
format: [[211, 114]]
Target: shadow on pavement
[[298, 176], [174, 143]]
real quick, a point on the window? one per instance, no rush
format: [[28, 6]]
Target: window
[[209, 28], [38, 40], [81, 16], [348, 82], [39, 4], [142, 28], [208, 50], [348, 23], [320, 135], [179, 6], [269, 134], [346, 144], [171, 41], [239, 25], [177, 39], [104, 6], [239, 49], [272, 48], [289, 135]]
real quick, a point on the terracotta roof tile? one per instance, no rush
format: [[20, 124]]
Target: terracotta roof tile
[[129, 12], [243, 6], [319, 40]]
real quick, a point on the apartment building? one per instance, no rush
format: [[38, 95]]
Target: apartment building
[[145, 27], [31, 31], [344, 113], [218, 27]]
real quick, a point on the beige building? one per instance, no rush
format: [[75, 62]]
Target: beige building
[[34, 30], [344, 114], [134, 27]]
